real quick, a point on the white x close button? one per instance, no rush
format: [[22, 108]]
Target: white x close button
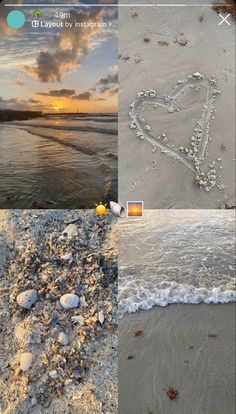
[[224, 19]]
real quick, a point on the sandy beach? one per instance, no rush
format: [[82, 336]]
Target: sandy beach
[[189, 348], [58, 287], [160, 49]]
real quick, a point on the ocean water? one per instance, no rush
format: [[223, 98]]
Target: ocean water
[[61, 161], [176, 256]]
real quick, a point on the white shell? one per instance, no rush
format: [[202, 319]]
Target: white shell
[[78, 319], [117, 210], [101, 317], [23, 334], [69, 301], [27, 299], [66, 256], [63, 339], [26, 360], [71, 231]]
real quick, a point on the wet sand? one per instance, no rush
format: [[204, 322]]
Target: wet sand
[[175, 350]]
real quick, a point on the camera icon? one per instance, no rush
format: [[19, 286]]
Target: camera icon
[[35, 23]]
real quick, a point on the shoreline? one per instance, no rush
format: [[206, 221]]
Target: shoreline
[[8, 116], [14, 115], [188, 347]]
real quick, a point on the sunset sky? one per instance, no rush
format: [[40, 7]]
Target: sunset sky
[[60, 69]]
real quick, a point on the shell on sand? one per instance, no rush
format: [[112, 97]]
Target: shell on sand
[[23, 334]]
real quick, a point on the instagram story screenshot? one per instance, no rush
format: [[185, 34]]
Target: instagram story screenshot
[[117, 207]]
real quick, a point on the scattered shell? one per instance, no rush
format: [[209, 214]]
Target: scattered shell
[[66, 256], [78, 319], [53, 374], [26, 360], [63, 339], [69, 301], [71, 230], [27, 299], [101, 317], [23, 334], [83, 302], [33, 401]]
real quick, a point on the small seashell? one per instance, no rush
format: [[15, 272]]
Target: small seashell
[[83, 302], [27, 299], [53, 374], [78, 319], [66, 256], [26, 360], [33, 401], [23, 334], [69, 301], [63, 339], [101, 317], [71, 230]]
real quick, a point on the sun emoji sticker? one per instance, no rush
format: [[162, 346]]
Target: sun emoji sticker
[[101, 209]]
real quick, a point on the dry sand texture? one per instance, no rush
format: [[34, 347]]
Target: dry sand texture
[[177, 107], [52, 359], [189, 348]]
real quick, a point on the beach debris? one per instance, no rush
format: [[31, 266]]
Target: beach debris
[[83, 302], [189, 348], [78, 319], [163, 43], [72, 219], [33, 401], [71, 231], [212, 334], [201, 18], [101, 317], [130, 357], [125, 57], [69, 301], [181, 41], [23, 334], [26, 359], [53, 374], [138, 333], [134, 13], [138, 59], [63, 339], [66, 256], [27, 298], [35, 264], [147, 39], [172, 393]]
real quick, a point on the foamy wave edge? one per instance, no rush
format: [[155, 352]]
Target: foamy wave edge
[[175, 294]]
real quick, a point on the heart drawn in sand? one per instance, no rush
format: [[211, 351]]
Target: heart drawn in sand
[[194, 156]]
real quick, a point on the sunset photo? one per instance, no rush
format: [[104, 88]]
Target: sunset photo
[[58, 107]]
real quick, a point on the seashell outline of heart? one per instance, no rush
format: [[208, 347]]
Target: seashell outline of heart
[[191, 158]]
